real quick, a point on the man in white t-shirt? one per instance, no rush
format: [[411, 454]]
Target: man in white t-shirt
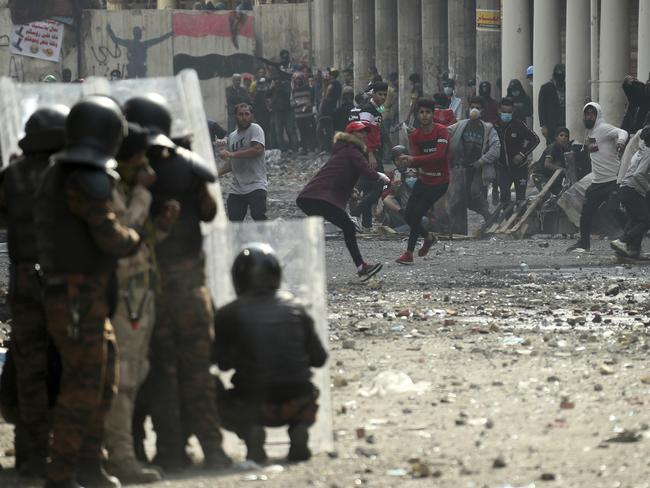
[[245, 159]]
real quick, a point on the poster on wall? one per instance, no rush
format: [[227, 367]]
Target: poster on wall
[[488, 20], [41, 40]]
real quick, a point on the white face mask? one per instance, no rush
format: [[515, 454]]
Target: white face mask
[[449, 91], [474, 114]]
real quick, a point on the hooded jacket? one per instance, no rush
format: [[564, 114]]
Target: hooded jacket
[[516, 138], [630, 150], [335, 181], [638, 105], [523, 105], [491, 144], [638, 174], [550, 109], [600, 142]]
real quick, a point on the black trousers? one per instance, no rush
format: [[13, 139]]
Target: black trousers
[[325, 132], [339, 218], [238, 206], [423, 197], [507, 176], [638, 217], [371, 192], [595, 196], [307, 129]]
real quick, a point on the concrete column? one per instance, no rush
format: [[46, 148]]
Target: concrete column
[[363, 34], [323, 30], [435, 54], [462, 45], [614, 57], [595, 48], [409, 49], [547, 51], [163, 4], [488, 43], [386, 36], [577, 64], [112, 5], [515, 42], [643, 71], [342, 15]]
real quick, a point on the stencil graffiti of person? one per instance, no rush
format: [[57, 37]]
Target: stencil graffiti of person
[[136, 50]]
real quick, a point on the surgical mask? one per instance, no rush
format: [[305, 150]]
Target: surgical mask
[[449, 91], [410, 181], [381, 109], [516, 93], [474, 114], [505, 117]]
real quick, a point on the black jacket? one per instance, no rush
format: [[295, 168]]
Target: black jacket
[[638, 105], [551, 112], [523, 105], [269, 339]]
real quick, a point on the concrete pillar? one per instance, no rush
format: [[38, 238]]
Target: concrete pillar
[[386, 36], [163, 4], [363, 34], [643, 71], [110, 5], [323, 31], [342, 18], [409, 49], [577, 64], [488, 43], [435, 54], [595, 48], [515, 42], [547, 50], [614, 57], [462, 45]]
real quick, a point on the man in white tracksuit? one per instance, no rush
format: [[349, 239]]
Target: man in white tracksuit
[[604, 142]]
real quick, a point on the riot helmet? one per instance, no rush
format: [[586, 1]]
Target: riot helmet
[[151, 111], [255, 268], [45, 130], [94, 131]]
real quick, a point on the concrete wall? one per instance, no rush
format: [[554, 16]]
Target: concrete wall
[[283, 26]]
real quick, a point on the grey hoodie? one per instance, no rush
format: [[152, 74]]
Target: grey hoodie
[[600, 142], [638, 174]]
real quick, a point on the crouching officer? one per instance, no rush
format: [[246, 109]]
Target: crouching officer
[[79, 240], [44, 135], [268, 338], [180, 377]]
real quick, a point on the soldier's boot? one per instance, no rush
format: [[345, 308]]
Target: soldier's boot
[[62, 484], [255, 440], [299, 437], [216, 458], [92, 474], [132, 472]]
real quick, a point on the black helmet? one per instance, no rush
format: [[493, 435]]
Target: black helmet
[[94, 131], [151, 111], [256, 267], [45, 130]]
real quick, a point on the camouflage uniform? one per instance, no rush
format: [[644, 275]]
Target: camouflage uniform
[[79, 240]]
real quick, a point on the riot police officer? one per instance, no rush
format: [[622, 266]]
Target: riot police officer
[[44, 135], [180, 345], [79, 241]]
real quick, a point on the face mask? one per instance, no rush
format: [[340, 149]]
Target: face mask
[[589, 124], [474, 114], [410, 181], [484, 93], [506, 117], [381, 109], [516, 93], [449, 91]]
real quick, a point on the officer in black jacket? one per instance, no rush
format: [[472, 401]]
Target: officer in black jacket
[[30, 346], [268, 338]]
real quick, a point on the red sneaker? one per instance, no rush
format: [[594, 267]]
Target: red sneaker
[[406, 258], [426, 245]]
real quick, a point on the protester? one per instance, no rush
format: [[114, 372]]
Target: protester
[[491, 111], [235, 94], [348, 77], [416, 93], [552, 159], [327, 109], [262, 110], [429, 154], [633, 195], [245, 159], [303, 106], [518, 142], [341, 115], [604, 143], [630, 150], [475, 150], [530, 75], [443, 114], [523, 106], [269, 339], [638, 103], [455, 103], [552, 103], [283, 117], [327, 193]]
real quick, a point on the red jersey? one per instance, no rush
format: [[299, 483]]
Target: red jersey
[[445, 117], [431, 155]]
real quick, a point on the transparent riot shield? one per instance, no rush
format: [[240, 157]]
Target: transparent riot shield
[[300, 245]]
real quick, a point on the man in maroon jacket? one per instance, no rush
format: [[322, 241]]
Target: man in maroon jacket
[[327, 193], [430, 155], [517, 143]]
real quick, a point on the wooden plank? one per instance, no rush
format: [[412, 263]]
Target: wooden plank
[[537, 202]]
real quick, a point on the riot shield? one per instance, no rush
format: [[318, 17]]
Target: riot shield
[[300, 245]]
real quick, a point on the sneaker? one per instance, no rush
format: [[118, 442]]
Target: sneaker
[[406, 258], [92, 474], [299, 450], [367, 271], [622, 248], [426, 245], [578, 245], [132, 472], [255, 444]]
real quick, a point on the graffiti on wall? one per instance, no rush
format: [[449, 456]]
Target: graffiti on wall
[[136, 50]]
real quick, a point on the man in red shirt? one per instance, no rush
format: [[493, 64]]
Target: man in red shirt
[[430, 156]]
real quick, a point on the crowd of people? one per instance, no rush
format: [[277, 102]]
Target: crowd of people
[[112, 321]]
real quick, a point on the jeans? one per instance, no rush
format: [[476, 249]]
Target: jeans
[[422, 199], [238, 206], [595, 196], [285, 122], [507, 176]]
